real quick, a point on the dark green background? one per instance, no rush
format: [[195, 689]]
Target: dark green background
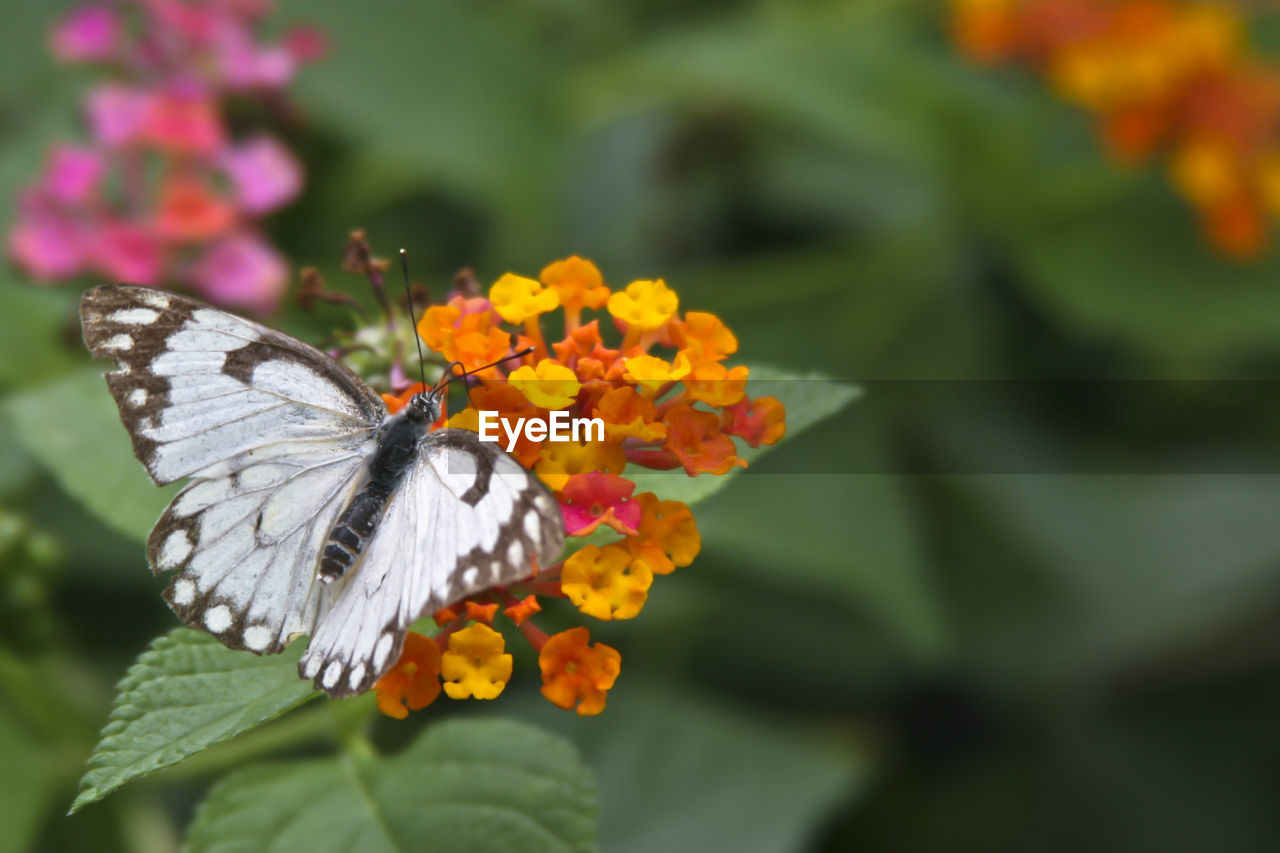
[[895, 660]]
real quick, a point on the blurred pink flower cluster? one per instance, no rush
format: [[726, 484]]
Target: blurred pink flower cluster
[[163, 192]]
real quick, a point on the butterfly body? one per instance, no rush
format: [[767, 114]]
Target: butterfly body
[[398, 447], [309, 509]]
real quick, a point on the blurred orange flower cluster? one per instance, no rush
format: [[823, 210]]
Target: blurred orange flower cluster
[[667, 401], [1160, 75]]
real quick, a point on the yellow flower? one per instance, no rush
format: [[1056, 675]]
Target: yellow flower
[[517, 298], [562, 459], [475, 666], [550, 385], [578, 282], [714, 384], [605, 582], [468, 418], [1268, 177], [1205, 172], [644, 305], [652, 372]]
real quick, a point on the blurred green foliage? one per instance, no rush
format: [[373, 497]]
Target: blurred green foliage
[[892, 661]]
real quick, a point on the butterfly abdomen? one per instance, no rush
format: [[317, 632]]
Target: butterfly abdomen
[[396, 451]]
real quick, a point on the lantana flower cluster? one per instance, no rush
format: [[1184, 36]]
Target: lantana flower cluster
[[668, 401], [163, 192], [1163, 76]]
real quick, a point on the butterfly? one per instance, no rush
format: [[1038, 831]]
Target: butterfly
[[310, 509]]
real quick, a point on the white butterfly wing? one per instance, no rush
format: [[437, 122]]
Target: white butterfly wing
[[275, 436], [467, 517], [203, 392]]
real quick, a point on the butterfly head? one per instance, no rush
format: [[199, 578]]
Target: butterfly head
[[425, 407]]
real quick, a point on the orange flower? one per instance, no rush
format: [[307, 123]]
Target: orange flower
[[481, 612], [1236, 227], [475, 666], [1132, 132], [696, 440], [579, 285], [714, 384], [986, 30], [703, 336], [475, 342], [1155, 72], [576, 673], [759, 421], [466, 331], [584, 351], [628, 414], [438, 322], [511, 406], [668, 535], [414, 682], [523, 609], [605, 582]]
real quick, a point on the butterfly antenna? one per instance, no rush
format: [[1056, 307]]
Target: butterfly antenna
[[404, 268], [465, 373]]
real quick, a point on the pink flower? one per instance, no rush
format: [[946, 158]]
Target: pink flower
[[195, 23], [184, 122], [250, 10], [589, 500], [242, 270], [273, 68], [161, 192], [46, 244], [243, 64], [89, 33], [264, 173], [116, 113], [128, 253], [73, 173]]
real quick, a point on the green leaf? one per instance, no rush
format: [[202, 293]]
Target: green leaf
[[877, 567], [463, 785], [1119, 568], [32, 322], [808, 398], [73, 428], [838, 77], [16, 466], [1137, 269], [184, 694], [25, 785], [491, 132], [679, 771]]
